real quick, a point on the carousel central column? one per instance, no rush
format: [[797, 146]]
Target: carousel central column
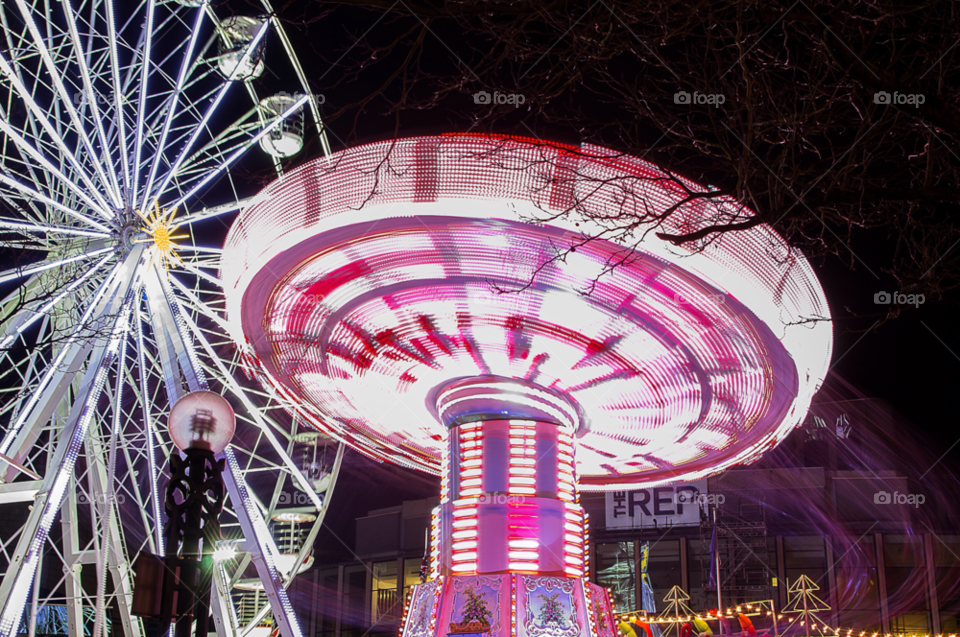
[[508, 498]]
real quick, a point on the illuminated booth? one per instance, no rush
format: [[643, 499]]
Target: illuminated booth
[[482, 309]]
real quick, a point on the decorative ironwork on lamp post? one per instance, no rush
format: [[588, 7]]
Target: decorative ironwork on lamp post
[[201, 425]]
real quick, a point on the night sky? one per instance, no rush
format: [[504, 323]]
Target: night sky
[[912, 361]]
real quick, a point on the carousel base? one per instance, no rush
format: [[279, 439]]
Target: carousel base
[[508, 605]]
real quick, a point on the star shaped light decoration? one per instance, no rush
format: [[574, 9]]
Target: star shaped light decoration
[[159, 226]]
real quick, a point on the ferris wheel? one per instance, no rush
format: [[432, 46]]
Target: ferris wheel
[[128, 130]]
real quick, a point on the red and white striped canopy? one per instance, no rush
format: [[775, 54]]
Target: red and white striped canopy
[[363, 285]]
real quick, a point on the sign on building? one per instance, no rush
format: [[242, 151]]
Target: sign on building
[[669, 505]]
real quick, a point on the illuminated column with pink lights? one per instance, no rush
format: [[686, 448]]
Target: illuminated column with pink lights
[[508, 500]]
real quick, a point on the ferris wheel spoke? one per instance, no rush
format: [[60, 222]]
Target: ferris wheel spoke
[[175, 359], [35, 311], [86, 78], [26, 147], [185, 66], [145, 70], [240, 151], [154, 494], [213, 151], [59, 373], [117, 93], [198, 306], [21, 226], [208, 213], [211, 109], [17, 273], [65, 101]]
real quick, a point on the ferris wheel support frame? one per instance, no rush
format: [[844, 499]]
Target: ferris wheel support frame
[[18, 579]]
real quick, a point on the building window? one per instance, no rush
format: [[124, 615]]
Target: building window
[[858, 589], [946, 557], [906, 575], [664, 568], [386, 605], [615, 566]]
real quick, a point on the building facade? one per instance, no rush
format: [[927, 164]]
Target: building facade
[[846, 500]]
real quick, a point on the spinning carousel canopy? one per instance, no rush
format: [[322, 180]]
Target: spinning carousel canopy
[[365, 285]]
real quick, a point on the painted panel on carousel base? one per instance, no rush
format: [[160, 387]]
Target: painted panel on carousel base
[[549, 607], [422, 613], [477, 606]]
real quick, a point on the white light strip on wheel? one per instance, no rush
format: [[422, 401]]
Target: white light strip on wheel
[[118, 104], [168, 120], [202, 126], [141, 108], [240, 151], [41, 311], [19, 273]]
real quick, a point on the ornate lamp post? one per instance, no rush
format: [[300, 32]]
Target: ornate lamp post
[[201, 425]]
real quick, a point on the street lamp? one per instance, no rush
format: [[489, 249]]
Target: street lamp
[[201, 425]]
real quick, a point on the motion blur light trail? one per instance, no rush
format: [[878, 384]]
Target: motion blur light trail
[[865, 449], [364, 285]]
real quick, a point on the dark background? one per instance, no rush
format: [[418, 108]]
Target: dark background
[[910, 361]]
